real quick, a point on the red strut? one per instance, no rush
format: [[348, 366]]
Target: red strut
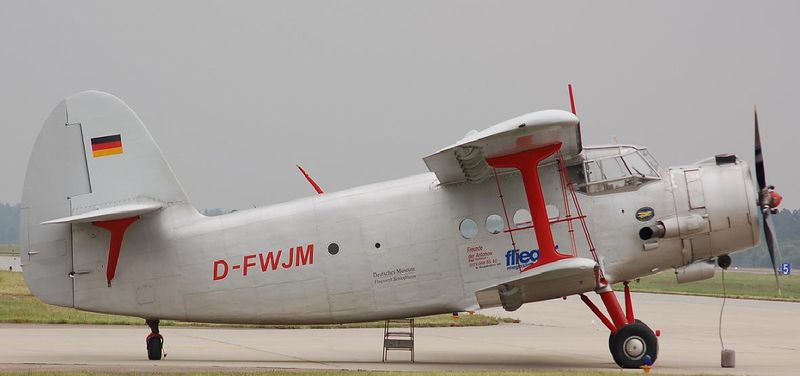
[[571, 100], [628, 303], [613, 308], [117, 229], [311, 181], [527, 162], [598, 313]]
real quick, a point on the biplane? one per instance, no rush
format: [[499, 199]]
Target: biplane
[[517, 213]]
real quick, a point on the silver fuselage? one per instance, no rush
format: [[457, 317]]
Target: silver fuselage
[[398, 249]]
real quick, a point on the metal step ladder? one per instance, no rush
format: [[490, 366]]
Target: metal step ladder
[[398, 338]]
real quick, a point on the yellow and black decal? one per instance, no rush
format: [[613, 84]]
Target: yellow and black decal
[[645, 214]]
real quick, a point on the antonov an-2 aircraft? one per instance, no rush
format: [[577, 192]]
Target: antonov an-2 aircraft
[[517, 213]]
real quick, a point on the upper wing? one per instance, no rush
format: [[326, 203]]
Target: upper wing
[[466, 159]]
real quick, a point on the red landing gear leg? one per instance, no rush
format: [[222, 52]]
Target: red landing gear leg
[[628, 303], [155, 342], [632, 343]]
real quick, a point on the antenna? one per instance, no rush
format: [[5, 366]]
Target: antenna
[[571, 100], [311, 181]]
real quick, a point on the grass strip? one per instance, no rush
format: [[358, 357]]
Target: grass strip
[[738, 284], [18, 305]]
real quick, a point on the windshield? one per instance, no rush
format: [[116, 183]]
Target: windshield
[[617, 167]]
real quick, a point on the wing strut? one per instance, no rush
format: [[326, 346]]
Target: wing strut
[[564, 178], [527, 162]]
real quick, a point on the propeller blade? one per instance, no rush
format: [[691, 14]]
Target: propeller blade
[[772, 247], [760, 175], [766, 204]]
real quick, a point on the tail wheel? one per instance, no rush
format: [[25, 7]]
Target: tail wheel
[[631, 343], [155, 344]]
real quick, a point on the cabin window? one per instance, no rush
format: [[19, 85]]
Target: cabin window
[[468, 228], [333, 248], [495, 224], [522, 218]]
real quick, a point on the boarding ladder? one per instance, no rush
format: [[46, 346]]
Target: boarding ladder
[[398, 337]]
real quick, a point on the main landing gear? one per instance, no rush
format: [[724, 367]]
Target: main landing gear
[[632, 343], [155, 342]]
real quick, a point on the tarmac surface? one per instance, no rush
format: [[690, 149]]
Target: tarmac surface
[[552, 335]]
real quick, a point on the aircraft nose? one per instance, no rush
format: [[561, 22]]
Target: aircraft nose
[[721, 201], [732, 206]]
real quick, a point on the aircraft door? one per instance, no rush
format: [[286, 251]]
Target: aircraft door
[[694, 189], [701, 244]]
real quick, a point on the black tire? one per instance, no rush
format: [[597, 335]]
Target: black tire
[[631, 343], [611, 337], [154, 346]]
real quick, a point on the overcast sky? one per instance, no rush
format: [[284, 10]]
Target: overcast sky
[[237, 93]]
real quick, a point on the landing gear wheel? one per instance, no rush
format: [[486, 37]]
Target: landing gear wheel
[[611, 337], [155, 344], [631, 343]]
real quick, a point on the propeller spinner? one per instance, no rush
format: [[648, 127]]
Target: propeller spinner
[[768, 201]]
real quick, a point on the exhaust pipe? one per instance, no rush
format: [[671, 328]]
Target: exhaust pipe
[[674, 227], [655, 231]]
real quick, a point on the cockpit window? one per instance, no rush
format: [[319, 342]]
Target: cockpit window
[[614, 168], [638, 166], [649, 158]]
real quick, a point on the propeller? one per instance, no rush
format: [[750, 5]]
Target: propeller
[[768, 201]]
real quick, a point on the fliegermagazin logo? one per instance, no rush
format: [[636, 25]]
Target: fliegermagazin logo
[[521, 259]]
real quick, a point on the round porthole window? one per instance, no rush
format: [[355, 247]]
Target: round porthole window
[[494, 224], [522, 218], [468, 228], [333, 248]]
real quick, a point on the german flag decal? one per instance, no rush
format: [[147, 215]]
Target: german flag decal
[[106, 145]]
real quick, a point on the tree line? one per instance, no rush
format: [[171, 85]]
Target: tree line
[[9, 224]]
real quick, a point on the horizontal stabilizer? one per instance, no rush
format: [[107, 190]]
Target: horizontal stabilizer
[[554, 280], [110, 213]]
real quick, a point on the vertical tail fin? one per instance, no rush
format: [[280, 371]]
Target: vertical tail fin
[[92, 154], [123, 161]]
